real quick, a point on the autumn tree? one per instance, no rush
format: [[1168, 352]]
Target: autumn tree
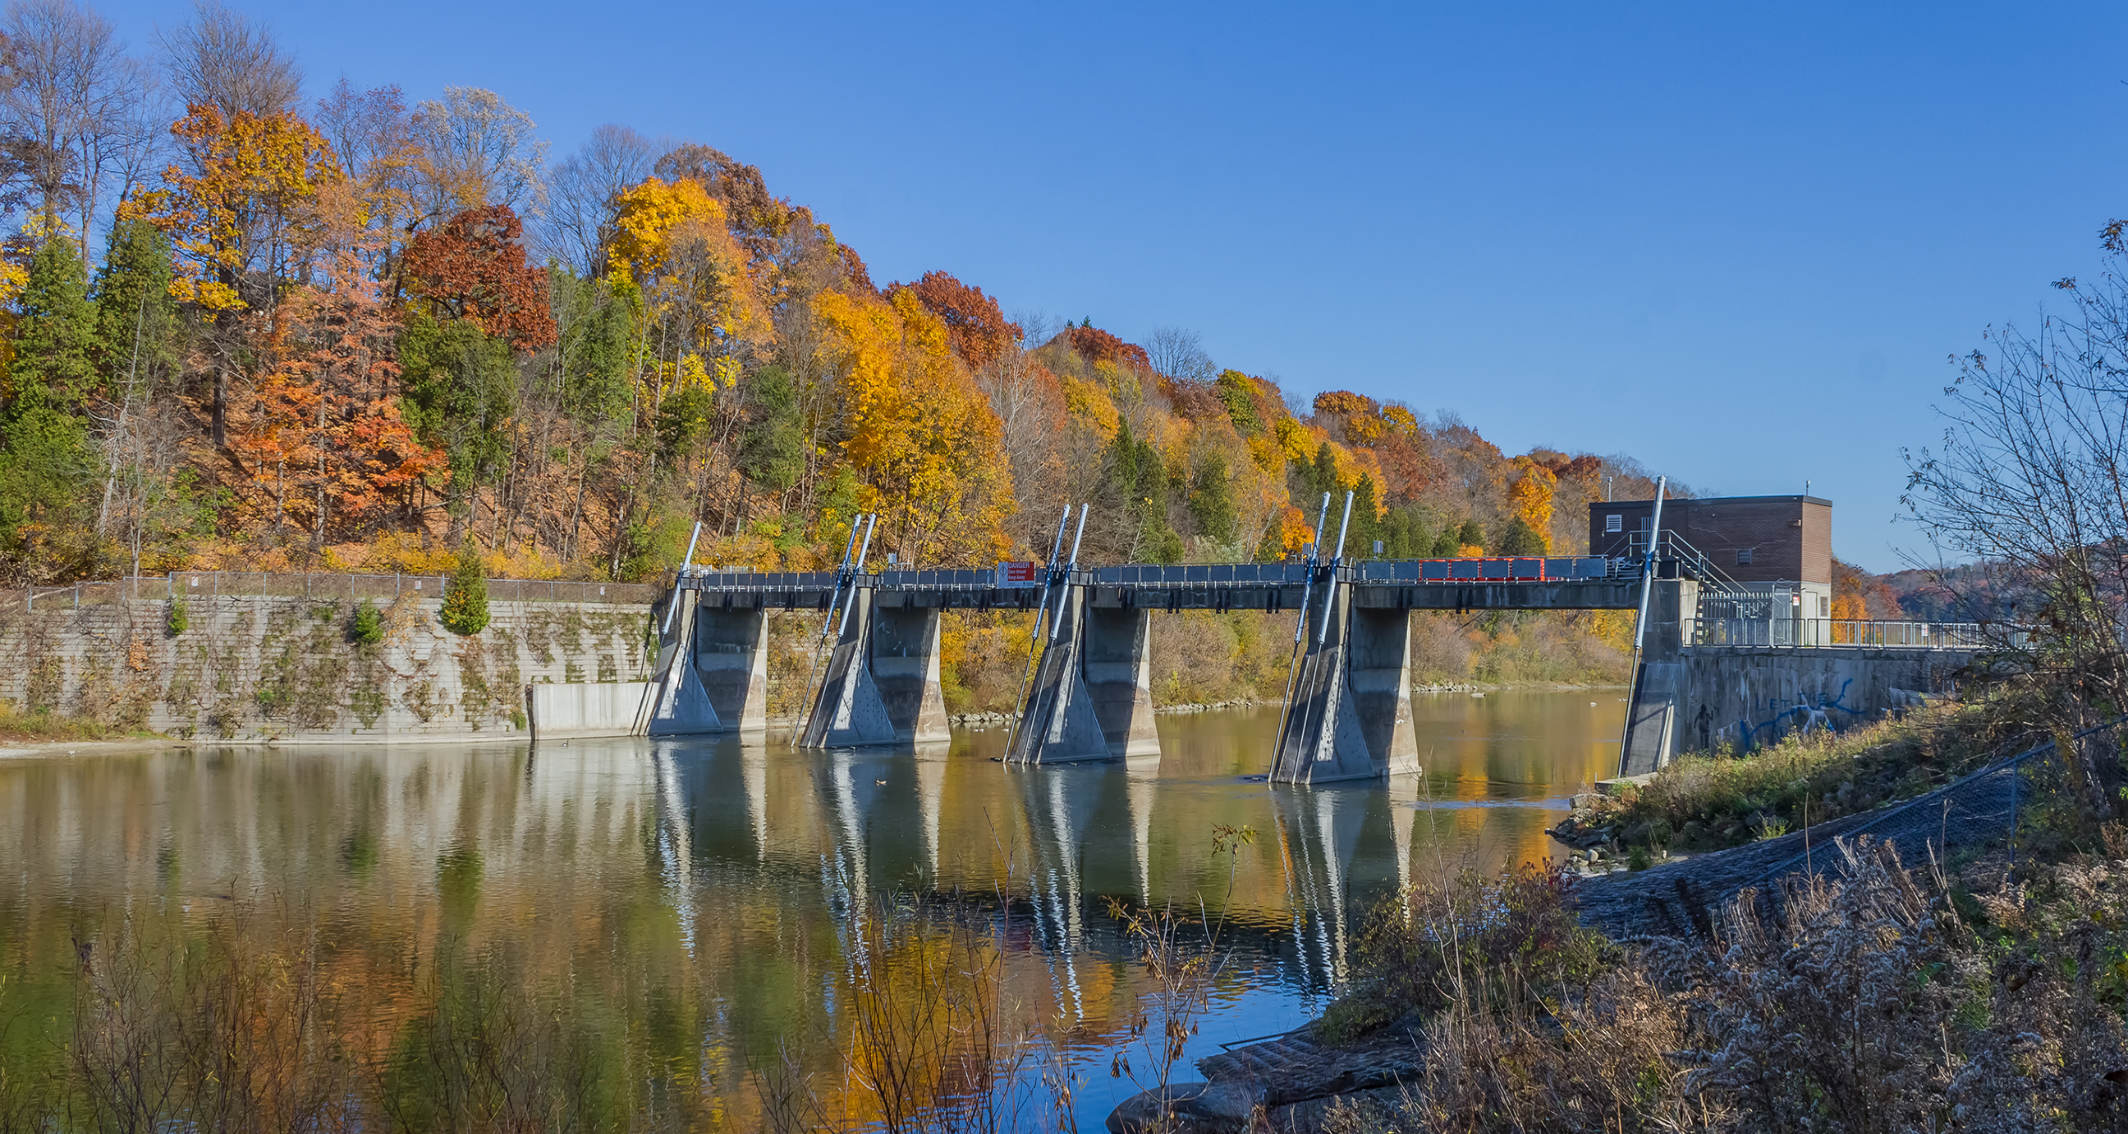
[[980, 332], [323, 439], [472, 267], [239, 209], [916, 430]]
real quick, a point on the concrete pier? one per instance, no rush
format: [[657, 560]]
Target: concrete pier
[[1092, 697], [731, 661], [1349, 715], [882, 683], [677, 704]]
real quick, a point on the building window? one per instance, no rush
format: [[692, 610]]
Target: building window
[[1613, 524], [1824, 607], [1743, 557]]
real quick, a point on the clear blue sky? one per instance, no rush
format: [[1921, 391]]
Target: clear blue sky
[[1737, 243]]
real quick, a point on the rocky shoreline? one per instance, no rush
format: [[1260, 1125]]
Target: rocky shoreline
[[1287, 1084]]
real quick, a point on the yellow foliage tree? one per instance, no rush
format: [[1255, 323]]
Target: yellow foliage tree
[[242, 215], [1531, 496], [917, 430], [670, 239]]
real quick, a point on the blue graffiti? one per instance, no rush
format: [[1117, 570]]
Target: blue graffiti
[[1747, 733]]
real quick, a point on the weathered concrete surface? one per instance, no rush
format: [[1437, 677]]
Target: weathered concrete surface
[[568, 712], [1092, 694], [904, 654], [1349, 716], [1691, 698], [849, 711], [271, 668], [731, 659]]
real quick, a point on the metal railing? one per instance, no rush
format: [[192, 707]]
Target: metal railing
[[1814, 632], [319, 586]]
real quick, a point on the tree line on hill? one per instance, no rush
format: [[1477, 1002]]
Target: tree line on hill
[[245, 328]]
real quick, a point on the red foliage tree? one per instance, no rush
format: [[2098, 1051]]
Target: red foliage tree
[[1096, 345], [473, 267], [979, 330]]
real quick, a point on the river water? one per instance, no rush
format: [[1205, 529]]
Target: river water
[[708, 916]]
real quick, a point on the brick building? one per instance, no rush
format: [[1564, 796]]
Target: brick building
[[1769, 543]]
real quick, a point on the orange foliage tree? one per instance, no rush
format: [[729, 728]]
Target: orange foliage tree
[[239, 210], [980, 332], [321, 440]]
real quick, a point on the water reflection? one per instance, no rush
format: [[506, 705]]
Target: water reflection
[[707, 895]]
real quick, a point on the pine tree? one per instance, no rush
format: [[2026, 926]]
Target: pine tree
[[772, 449], [1471, 535], [1519, 538], [48, 457], [465, 597], [136, 319], [1212, 501]]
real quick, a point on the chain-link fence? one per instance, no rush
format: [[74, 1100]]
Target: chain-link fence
[[319, 586]]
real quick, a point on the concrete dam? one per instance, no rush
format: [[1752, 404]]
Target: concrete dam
[[1718, 659]]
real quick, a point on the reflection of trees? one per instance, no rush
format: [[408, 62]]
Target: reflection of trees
[[647, 925]]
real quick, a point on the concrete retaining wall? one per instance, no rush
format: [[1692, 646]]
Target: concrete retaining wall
[[266, 668], [1692, 698], [562, 712], [1752, 697]]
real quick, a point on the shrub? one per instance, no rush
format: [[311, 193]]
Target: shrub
[[176, 618], [465, 597], [1477, 943], [367, 629]]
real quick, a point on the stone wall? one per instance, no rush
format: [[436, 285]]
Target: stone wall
[[276, 668]]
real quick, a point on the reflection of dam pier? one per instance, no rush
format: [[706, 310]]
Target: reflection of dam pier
[[868, 824]]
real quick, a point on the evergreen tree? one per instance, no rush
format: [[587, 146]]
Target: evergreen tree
[[1471, 535], [1365, 526], [461, 390], [772, 447], [136, 319], [465, 596], [1212, 501], [1139, 477], [1519, 538], [55, 337], [598, 329], [48, 457], [1445, 545], [1404, 534]]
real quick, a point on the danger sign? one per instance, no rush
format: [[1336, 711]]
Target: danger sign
[[1011, 574]]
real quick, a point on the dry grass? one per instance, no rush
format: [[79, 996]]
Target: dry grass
[[1856, 1006]]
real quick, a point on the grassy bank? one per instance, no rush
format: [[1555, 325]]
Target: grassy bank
[[1712, 800], [1897, 999], [17, 727]]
